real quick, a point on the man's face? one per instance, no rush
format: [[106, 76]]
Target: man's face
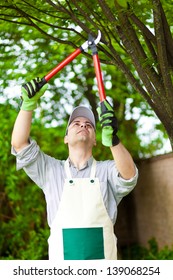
[[80, 131]]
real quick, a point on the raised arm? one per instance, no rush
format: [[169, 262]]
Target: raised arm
[[122, 157], [22, 126], [123, 161], [21, 130]]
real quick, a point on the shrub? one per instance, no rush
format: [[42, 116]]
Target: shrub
[[137, 252]]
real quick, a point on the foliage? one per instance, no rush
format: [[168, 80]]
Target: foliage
[[23, 223], [45, 32], [137, 252], [22, 217]]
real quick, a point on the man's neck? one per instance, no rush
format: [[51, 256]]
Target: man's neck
[[79, 157]]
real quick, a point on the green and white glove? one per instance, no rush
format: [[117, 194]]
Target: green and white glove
[[31, 93], [108, 123]]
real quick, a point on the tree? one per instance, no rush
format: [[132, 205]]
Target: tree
[[136, 39]]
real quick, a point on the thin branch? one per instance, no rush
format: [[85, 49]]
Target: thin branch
[[136, 52], [31, 23], [28, 17], [107, 10], [40, 10], [147, 35], [77, 20], [38, 20], [168, 37], [6, 217], [87, 16], [15, 22]]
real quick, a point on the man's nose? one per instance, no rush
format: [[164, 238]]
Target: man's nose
[[83, 125]]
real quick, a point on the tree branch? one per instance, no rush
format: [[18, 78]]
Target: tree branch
[[162, 54], [147, 34], [133, 47], [168, 37]]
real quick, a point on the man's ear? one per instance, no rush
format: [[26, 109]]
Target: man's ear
[[66, 139]]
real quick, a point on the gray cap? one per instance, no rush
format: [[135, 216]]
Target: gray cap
[[82, 111]]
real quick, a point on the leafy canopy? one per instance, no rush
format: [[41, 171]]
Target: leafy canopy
[[37, 35]]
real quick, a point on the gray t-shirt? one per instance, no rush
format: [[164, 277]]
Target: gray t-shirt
[[49, 174]]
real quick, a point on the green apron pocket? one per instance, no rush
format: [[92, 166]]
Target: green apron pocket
[[83, 243]]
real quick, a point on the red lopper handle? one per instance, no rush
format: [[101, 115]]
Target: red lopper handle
[[55, 70], [62, 64], [98, 73]]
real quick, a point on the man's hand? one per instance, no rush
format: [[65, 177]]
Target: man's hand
[[109, 124], [31, 93]]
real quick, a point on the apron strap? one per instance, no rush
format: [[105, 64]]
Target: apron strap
[[93, 169], [68, 172], [67, 169]]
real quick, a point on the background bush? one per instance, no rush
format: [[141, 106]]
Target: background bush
[[137, 252]]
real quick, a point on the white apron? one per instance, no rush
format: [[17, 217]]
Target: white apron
[[82, 229]]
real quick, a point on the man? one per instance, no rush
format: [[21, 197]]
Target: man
[[82, 195]]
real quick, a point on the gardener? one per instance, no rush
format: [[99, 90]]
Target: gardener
[[82, 195]]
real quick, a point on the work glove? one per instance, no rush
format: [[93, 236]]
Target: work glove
[[31, 92], [108, 123]]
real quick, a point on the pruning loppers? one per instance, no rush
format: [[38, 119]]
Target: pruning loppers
[[90, 43]]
